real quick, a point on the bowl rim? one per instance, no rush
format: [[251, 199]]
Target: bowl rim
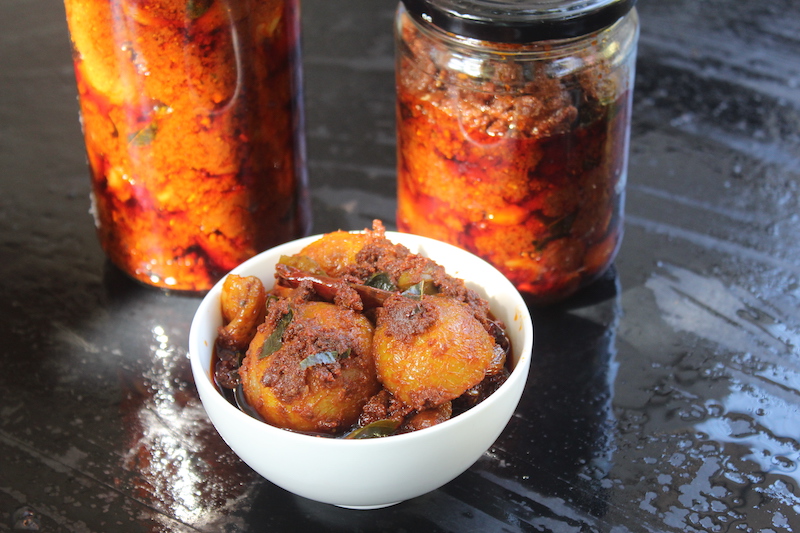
[[521, 354]]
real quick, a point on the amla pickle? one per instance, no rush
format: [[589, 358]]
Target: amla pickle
[[192, 122], [515, 151]]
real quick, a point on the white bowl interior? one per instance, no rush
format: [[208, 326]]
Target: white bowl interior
[[374, 472]]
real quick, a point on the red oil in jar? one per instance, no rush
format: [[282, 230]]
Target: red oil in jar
[[517, 150]]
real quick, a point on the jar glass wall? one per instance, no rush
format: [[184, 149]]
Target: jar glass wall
[[517, 151], [192, 117]]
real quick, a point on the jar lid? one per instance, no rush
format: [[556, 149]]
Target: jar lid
[[520, 21]]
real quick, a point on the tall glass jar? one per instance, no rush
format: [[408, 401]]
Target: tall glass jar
[[192, 117], [513, 126]]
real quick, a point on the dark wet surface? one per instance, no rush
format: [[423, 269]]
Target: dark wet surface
[[664, 398]]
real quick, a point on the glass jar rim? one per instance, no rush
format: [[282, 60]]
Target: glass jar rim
[[519, 21]]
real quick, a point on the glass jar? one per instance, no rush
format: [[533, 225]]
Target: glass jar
[[192, 117], [513, 126]]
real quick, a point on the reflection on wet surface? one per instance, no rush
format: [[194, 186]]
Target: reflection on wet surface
[[176, 463], [728, 316], [727, 425], [171, 445], [707, 439]]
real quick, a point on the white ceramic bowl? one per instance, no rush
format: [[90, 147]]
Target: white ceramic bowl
[[369, 473]]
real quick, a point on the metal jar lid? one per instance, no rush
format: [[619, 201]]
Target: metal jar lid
[[519, 21]]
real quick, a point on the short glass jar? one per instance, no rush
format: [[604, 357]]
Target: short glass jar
[[513, 127]]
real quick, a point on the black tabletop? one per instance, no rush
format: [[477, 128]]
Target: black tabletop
[[663, 398]]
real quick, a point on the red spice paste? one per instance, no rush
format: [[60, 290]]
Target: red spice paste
[[526, 170], [190, 116]]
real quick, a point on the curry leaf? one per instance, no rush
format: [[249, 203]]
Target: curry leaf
[[379, 428], [423, 287], [380, 280], [144, 136], [323, 358], [274, 342], [197, 8]]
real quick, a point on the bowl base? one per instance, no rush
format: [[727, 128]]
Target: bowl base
[[367, 507]]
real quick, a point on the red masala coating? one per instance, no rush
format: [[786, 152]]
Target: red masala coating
[[321, 398], [324, 362]]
